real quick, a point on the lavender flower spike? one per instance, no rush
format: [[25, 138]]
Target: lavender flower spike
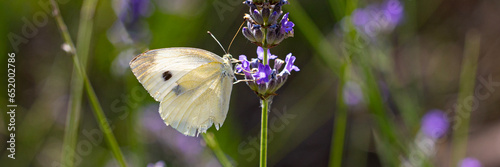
[[264, 17], [264, 79]]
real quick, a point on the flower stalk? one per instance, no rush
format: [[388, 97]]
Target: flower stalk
[[266, 31], [263, 131], [98, 111], [214, 145], [74, 109]]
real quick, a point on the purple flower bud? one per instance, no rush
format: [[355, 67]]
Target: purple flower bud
[[470, 162], [289, 64], [248, 34], [254, 63], [435, 124], [257, 33], [279, 37], [265, 14], [250, 4], [278, 63], [273, 18], [271, 37], [278, 6], [257, 17]]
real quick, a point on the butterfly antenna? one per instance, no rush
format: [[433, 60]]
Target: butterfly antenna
[[235, 36], [216, 41]]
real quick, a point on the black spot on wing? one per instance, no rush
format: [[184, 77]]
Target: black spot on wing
[[177, 89], [167, 75]]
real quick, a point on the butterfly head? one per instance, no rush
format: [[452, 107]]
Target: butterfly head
[[228, 58]]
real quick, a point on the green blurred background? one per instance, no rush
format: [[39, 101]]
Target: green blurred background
[[416, 67]]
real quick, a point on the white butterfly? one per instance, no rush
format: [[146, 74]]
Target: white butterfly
[[192, 85]]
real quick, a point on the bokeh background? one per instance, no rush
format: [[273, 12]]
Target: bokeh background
[[383, 71]]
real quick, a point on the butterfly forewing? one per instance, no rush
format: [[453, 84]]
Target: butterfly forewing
[[192, 85]]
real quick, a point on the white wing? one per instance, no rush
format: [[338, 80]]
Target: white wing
[[192, 85]]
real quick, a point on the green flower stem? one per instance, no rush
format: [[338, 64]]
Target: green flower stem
[[264, 47], [74, 110], [98, 111], [467, 81], [337, 146], [214, 145], [263, 131]]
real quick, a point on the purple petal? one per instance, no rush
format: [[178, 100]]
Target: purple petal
[[285, 16], [244, 66], [262, 74], [260, 53], [243, 58], [289, 67]]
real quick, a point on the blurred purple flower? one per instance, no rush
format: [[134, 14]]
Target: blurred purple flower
[[378, 18], [157, 164], [189, 147], [395, 9], [360, 17], [470, 162], [150, 119], [435, 124], [130, 28], [352, 93], [129, 11]]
